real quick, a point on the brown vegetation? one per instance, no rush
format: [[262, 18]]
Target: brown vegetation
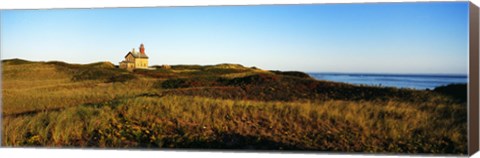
[[225, 106]]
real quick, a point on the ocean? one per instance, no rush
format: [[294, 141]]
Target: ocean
[[414, 81]]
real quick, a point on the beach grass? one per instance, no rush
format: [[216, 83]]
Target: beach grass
[[225, 106]]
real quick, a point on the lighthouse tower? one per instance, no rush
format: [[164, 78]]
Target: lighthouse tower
[[142, 49]]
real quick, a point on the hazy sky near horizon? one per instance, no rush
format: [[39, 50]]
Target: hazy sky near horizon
[[373, 38]]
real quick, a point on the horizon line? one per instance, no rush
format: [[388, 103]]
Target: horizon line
[[308, 72]]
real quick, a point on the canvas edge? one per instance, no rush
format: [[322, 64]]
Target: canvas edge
[[1, 80], [473, 84]]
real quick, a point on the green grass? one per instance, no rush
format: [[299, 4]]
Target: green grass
[[224, 106]]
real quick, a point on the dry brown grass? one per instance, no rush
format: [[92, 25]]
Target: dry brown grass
[[52, 110], [174, 121], [40, 86]]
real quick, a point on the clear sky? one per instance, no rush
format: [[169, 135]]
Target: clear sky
[[373, 38]]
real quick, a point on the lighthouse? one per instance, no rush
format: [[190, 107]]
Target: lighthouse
[[134, 60], [142, 49]]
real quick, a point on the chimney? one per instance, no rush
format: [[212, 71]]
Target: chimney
[[133, 51], [142, 49]]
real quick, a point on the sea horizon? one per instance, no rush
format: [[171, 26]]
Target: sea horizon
[[388, 73], [397, 80]]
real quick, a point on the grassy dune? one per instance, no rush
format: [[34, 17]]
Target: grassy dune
[[224, 106]]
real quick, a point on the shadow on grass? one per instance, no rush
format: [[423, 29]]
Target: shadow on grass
[[232, 141], [456, 91]]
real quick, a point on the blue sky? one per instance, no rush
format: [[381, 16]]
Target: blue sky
[[372, 38]]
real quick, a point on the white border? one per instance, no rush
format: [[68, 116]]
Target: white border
[[82, 153]]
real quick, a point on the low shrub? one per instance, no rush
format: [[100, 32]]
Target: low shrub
[[456, 91], [293, 73], [258, 79], [105, 65], [121, 78], [93, 74], [16, 61], [172, 83], [158, 73]]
